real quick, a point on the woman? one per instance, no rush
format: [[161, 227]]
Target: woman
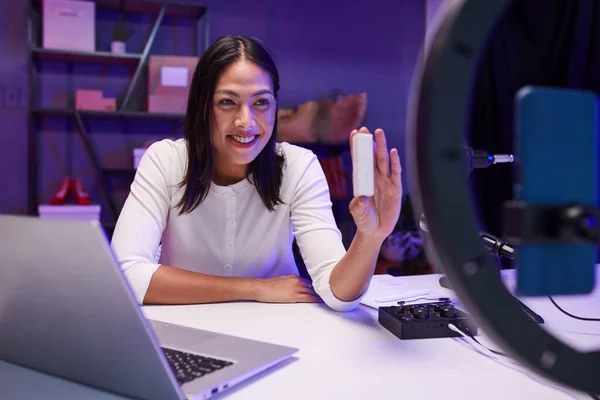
[[226, 201]]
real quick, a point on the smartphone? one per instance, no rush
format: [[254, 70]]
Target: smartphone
[[556, 154]]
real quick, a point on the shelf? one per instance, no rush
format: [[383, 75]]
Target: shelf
[[130, 114], [98, 57], [82, 120], [53, 112], [174, 8], [66, 112]]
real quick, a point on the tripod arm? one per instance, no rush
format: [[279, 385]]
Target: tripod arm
[[497, 246], [493, 244]]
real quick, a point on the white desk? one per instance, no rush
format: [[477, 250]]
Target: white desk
[[350, 356]]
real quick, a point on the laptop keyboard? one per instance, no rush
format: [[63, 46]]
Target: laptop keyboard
[[187, 366]]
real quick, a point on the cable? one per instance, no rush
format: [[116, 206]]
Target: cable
[[442, 299], [572, 315], [594, 396], [510, 364], [464, 329]]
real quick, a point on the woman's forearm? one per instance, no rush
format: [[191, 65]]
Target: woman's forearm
[[352, 274], [177, 286]]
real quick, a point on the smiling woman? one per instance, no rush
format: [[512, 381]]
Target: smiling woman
[[234, 90], [226, 201]]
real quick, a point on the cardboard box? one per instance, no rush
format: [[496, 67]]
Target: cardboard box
[[169, 79], [93, 100], [167, 104], [69, 25], [71, 212]]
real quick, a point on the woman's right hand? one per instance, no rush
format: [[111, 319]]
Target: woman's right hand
[[286, 289]]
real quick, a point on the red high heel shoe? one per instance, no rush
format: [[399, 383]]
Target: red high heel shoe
[[80, 195], [61, 195]]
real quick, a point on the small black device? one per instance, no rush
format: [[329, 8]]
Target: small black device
[[425, 320]]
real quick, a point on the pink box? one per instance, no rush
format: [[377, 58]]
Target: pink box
[[109, 104], [69, 25], [169, 79], [167, 104], [93, 100]]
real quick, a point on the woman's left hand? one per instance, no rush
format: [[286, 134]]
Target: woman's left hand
[[376, 216]]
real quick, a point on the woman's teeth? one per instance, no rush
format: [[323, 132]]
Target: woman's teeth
[[243, 139]]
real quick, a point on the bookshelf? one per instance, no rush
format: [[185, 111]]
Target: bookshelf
[[157, 11], [68, 112], [173, 7], [98, 57]]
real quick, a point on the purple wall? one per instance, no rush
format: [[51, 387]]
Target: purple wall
[[319, 46], [13, 117]]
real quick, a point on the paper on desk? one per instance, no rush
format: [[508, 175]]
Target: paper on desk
[[387, 290]]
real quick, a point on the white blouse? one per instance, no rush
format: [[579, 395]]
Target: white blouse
[[231, 233]]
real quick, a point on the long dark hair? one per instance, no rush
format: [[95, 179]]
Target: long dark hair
[[267, 168]]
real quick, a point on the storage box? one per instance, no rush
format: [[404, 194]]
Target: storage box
[[93, 100], [167, 104], [69, 25], [71, 212], [169, 79]]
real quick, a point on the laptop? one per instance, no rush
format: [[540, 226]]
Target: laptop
[[67, 310]]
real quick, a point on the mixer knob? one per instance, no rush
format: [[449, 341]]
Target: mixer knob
[[421, 312], [447, 311]]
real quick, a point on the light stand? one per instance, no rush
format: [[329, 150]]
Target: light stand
[[438, 119]]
